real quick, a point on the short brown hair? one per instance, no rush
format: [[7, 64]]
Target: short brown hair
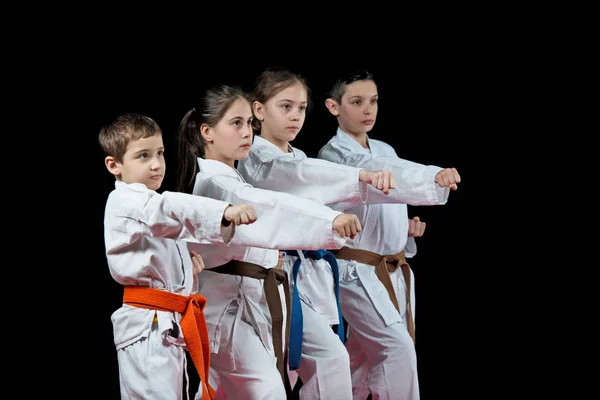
[[126, 128]]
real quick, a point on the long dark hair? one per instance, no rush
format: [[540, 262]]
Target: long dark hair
[[190, 143]]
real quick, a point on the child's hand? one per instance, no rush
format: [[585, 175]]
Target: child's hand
[[280, 261], [197, 262], [347, 225], [242, 214], [416, 228], [382, 180], [448, 177]]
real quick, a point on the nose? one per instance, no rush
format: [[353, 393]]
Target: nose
[[295, 116], [156, 164], [247, 131]]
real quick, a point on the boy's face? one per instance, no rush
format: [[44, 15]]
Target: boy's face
[[143, 162], [358, 111]]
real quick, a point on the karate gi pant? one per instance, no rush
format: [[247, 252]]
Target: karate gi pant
[[324, 364], [153, 367], [383, 360], [242, 367]]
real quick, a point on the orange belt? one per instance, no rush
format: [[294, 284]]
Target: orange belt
[[192, 323]]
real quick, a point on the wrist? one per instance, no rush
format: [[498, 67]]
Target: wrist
[[224, 221], [362, 175]]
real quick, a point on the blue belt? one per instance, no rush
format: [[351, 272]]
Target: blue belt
[[296, 325]]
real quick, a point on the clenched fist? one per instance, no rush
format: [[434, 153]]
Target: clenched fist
[[197, 262], [347, 225], [448, 177], [382, 180], [242, 214], [416, 228]]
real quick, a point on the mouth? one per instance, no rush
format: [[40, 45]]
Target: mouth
[[245, 146], [368, 121], [156, 177]]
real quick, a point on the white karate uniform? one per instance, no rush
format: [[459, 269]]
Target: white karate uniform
[[146, 236], [332, 184], [237, 314], [382, 354], [268, 167], [324, 366]]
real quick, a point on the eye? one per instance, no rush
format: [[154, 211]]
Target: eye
[[285, 106], [374, 101], [236, 123], [356, 102], [160, 153], [143, 155], [302, 108]]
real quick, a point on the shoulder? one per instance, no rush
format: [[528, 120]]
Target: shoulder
[[215, 183], [382, 146], [259, 152], [379, 143], [299, 152], [130, 191], [333, 148], [128, 199]]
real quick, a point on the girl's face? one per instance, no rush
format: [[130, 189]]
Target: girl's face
[[231, 138], [282, 116]]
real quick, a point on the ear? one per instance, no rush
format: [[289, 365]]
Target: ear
[[206, 132], [113, 166], [332, 106], [259, 110]]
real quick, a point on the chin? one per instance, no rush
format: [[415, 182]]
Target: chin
[[153, 185], [243, 155]]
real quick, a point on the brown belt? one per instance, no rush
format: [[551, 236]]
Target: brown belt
[[192, 323], [271, 277], [384, 264]]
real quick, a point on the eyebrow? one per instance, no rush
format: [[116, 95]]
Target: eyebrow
[[237, 117], [360, 97], [291, 101], [147, 150]]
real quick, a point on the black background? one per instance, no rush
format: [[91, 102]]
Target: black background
[[428, 112]]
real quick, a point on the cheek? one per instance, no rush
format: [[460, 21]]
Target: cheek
[[352, 115], [273, 122], [232, 140], [222, 139]]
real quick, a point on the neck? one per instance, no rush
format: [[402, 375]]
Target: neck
[[282, 145]]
